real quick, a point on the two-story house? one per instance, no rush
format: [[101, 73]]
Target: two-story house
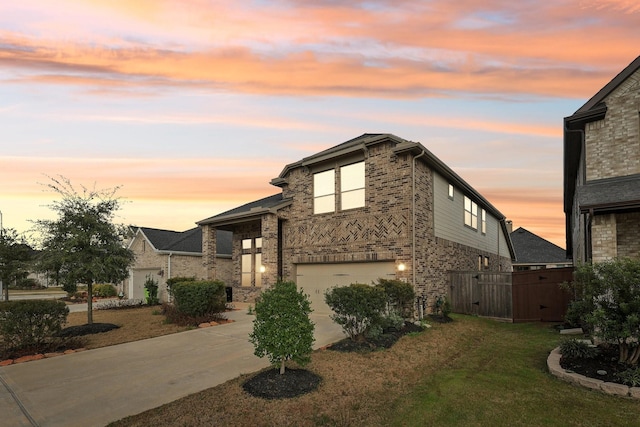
[[602, 172], [376, 206]]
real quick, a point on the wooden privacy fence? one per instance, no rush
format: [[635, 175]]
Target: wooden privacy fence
[[537, 295], [517, 297], [481, 293]]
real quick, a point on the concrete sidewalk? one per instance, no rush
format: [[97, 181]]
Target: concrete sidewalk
[[95, 387]]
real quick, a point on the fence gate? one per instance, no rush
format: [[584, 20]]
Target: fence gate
[[482, 293], [537, 295]]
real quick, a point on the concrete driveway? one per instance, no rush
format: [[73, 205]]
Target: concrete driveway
[[95, 387]]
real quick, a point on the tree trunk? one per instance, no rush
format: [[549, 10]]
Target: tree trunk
[[282, 367], [90, 303]]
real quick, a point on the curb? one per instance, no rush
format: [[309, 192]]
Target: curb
[[614, 389]]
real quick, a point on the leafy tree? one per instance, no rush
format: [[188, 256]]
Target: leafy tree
[[356, 307], [83, 239], [15, 256], [282, 329], [611, 292]]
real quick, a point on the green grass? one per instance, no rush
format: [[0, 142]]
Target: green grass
[[501, 379]]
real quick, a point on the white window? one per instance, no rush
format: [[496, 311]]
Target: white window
[[470, 213], [451, 191], [352, 186], [483, 221], [324, 197], [251, 261]]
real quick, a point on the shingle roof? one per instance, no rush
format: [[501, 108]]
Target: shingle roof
[[189, 241], [248, 210], [533, 249], [610, 193]]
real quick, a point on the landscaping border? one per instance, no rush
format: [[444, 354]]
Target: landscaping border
[[553, 363]]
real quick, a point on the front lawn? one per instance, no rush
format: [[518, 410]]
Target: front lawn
[[472, 372]]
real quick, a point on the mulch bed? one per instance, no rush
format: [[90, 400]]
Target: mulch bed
[[387, 339], [270, 384], [88, 329], [606, 361]]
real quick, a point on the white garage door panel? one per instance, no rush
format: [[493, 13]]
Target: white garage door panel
[[315, 279]]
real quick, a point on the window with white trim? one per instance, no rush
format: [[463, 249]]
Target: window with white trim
[[470, 213], [351, 190], [352, 186], [324, 192], [451, 191], [251, 261], [483, 221]]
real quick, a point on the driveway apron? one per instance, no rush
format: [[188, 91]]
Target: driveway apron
[[95, 387]]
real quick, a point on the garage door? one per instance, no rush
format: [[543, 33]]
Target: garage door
[[136, 284], [315, 279]]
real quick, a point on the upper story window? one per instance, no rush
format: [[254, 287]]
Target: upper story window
[[351, 189], [483, 221], [324, 197], [470, 213], [451, 191], [352, 186]]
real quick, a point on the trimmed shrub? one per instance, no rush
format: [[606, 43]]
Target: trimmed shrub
[[356, 307], [400, 296], [104, 290], [180, 279], [197, 299], [31, 323]]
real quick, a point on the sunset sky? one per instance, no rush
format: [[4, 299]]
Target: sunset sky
[[193, 106]]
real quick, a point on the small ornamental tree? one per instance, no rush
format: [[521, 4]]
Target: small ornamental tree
[[282, 329]]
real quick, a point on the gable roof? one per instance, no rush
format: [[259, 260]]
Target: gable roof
[[594, 109], [188, 242], [533, 249], [247, 212]]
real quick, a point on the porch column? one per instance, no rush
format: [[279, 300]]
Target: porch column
[[209, 247], [269, 250]]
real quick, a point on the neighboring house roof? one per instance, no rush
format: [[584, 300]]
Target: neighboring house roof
[[533, 249], [247, 212], [594, 109], [189, 241]]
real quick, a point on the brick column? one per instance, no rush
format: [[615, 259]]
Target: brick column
[[269, 250], [209, 247]]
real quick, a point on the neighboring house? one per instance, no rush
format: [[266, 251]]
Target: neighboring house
[[376, 206], [535, 253], [602, 172], [163, 254]]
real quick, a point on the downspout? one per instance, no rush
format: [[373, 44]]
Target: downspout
[[168, 275], [413, 231]]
